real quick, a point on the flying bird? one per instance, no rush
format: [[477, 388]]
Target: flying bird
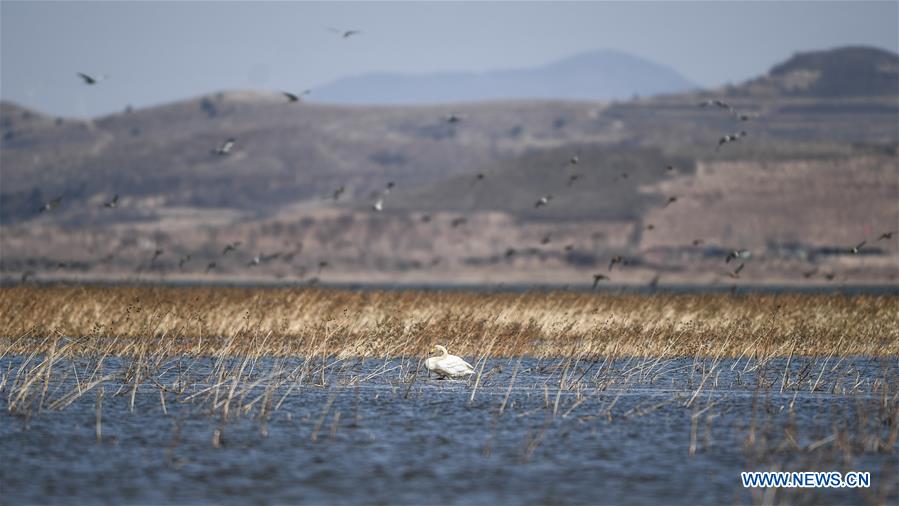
[[886, 235], [112, 203], [671, 200], [650, 227], [669, 168], [717, 103], [544, 200], [510, 252], [735, 254], [697, 242], [572, 178], [617, 259], [574, 160], [736, 273], [344, 34], [569, 247], [225, 148], [210, 266], [53, 204], [546, 239], [858, 247], [231, 247], [183, 260], [452, 118], [599, 277], [730, 138], [291, 97], [458, 221], [89, 80], [808, 274], [378, 206], [338, 192], [156, 254]]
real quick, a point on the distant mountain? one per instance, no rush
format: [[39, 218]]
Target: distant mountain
[[596, 75], [840, 72]]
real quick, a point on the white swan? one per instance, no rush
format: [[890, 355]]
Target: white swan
[[448, 366]]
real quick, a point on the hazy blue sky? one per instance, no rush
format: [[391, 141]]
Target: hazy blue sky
[[158, 52]]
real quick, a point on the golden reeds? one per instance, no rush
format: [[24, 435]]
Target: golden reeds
[[164, 321]]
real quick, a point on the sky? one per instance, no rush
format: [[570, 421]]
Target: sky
[[158, 52]]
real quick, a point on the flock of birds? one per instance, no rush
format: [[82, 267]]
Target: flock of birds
[[449, 361]]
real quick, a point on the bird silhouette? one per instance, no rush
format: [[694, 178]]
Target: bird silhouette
[[671, 200], [112, 203], [378, 206], [49, 206], [458, 221], [617, 259], [599, 277], [808, 274], [543, 201], [733, 255], [452, 118], [546, 239], [225, 148], [231, 247], [858, 247], [210, 266], [90, 80], [730, 138], [510, 252], [291, 97], [156, 254], [572, 178], [887, 235], [736, 273], [344, 34], [338, 192], [183, 260]]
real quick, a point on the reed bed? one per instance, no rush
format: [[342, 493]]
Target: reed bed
[[281, 322]]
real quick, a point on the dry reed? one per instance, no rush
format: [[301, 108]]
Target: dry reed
[[166, 321]]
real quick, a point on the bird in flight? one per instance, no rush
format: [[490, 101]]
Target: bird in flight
[[344, 34], [458, 221], [112, 203], [231, 247], [574, 160], [887, 235], [53, 204], [717, 103], [291, 97], [225, 148], [669, 168], [733, 255], [650, 227], [617, 259], [543, 201], [156, 254], [736, 273], [210, 266], [858, 247], [808, 274], [89, 80], [569, 247], [452, 118], [730, 138], [599, 277], [746, 116], [546, 239], [671, 200], [183, 260], [338, 192], [572, 178], [510, 252], [697, 242], [378, 206]]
